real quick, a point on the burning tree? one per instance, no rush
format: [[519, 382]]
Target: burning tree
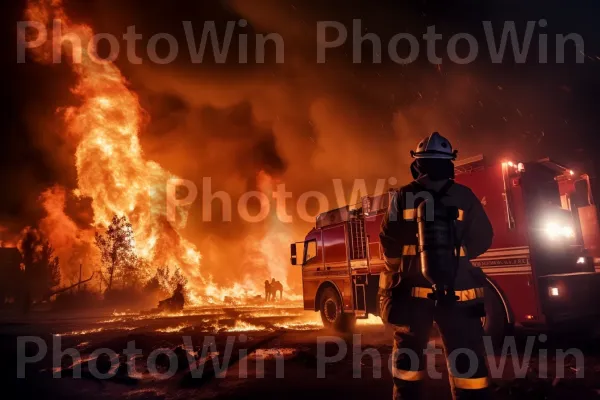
[[41, 268], [117, 249], [177, 279]]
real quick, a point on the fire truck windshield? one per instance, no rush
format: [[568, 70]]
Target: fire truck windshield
[[310, 251]]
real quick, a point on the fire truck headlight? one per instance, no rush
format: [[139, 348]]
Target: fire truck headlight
[[581, 260], [554, 292], [568, 232], [552, 230], [555, 231]]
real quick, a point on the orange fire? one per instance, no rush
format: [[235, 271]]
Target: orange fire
[[113, 172], [275, 243], [111, 167]]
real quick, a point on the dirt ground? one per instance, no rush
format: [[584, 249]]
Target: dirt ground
[[274, 354]]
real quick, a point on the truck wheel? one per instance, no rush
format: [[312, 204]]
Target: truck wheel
[[495, 324], [332, 314]]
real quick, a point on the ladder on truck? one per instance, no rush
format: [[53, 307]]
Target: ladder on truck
[[358, 239], [359, 264]]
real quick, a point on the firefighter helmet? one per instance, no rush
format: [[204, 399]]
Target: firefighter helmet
[[434, 146]]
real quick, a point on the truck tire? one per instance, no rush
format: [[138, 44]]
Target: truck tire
[[332, 314], [495, 323]]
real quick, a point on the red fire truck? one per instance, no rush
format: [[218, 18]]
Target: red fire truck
[[541, 269]]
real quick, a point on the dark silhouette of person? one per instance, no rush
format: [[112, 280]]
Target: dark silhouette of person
[[267, 290], [276, 286]]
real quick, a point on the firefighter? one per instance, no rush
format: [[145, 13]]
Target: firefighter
[[267, 290], [407, 299], [276, 286]]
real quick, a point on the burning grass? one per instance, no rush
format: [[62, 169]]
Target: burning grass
[[241, 326], [81, 332], [95, 330], [267, 318], [300, 325], [284, 352], [174, 329]]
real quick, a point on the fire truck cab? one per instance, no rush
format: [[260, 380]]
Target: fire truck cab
[[541, 268]]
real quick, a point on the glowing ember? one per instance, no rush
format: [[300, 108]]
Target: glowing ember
[[173, 329], [279, 352], [112, 320], [123, 314], [372, 320], [82, 360], [164, 315], [95, 330], [82, 332], [209, 356], [273, 313], [300, 325], [241, 326]]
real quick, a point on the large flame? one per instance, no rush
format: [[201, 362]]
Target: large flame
[[111, 167], [113, 172]]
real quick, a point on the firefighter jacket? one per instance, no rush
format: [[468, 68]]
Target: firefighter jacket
[[399, 240]]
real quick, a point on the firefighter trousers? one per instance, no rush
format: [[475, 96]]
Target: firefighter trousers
[[462, 336]]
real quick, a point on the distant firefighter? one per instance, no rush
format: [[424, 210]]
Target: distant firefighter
[[276, 286], [267, 290], [175, 302]]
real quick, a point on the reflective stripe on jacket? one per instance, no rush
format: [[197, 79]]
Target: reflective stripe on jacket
[[398, 234]]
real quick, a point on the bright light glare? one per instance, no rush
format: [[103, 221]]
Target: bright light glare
[[553, 230], [581, 260], [571, 172], [554, 291], [510, 164], [568, 232]]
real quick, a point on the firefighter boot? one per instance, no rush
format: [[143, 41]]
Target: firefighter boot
[[408, 358], [462, 334]]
